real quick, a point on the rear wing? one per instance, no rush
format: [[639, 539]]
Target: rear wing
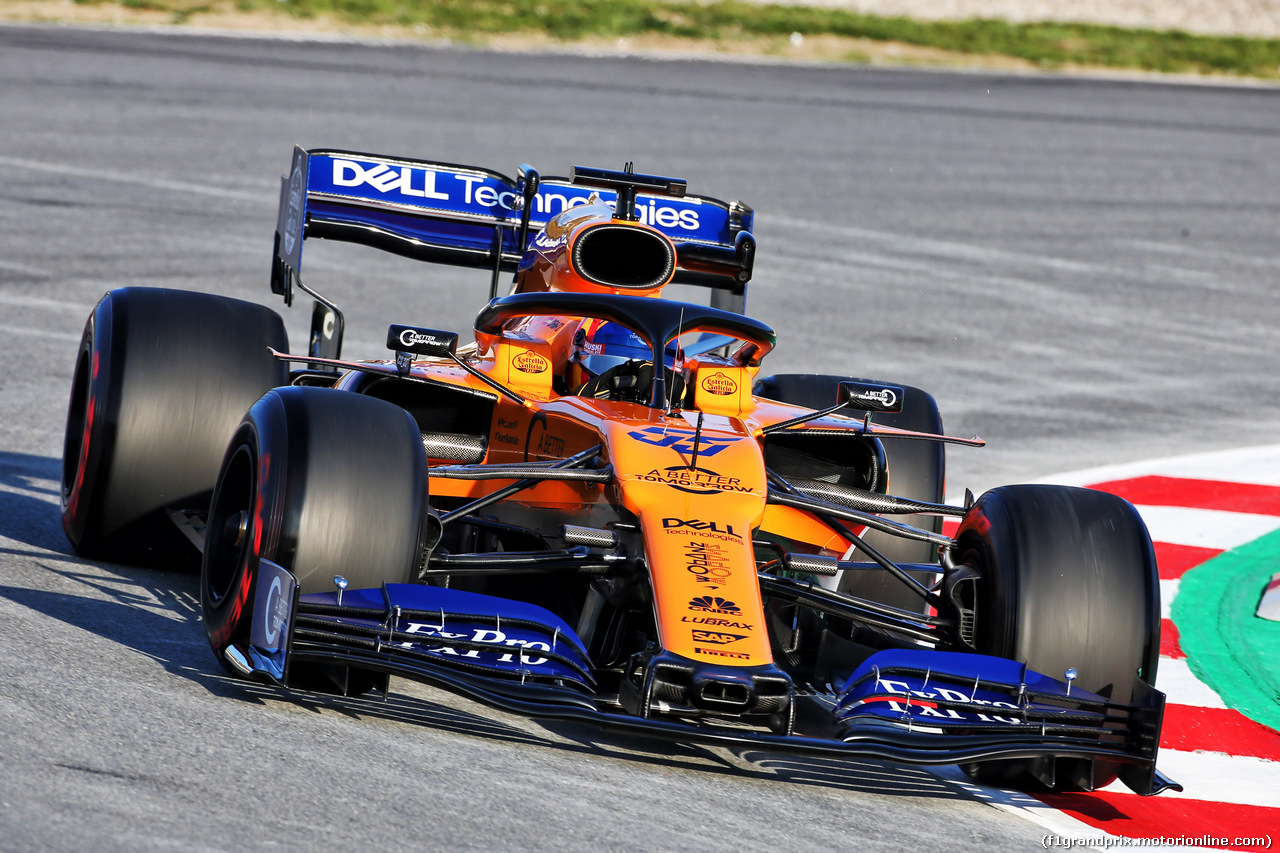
[[466, 216]]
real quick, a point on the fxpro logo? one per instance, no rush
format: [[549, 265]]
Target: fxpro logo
[[486, 640]]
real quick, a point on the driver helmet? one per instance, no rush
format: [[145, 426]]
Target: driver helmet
[[602, 345]]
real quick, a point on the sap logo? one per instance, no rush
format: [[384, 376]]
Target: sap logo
[[681, 440], [717, 637], [696, 524], [384, 179]]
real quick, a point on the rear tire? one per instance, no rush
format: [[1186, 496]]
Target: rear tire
[[916, 471], [1069, 579], [162, 378], [323, 483]]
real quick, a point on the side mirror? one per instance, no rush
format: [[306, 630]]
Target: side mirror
[[870, 396], [428, 342]]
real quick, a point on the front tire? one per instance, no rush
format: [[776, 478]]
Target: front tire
[[1068, 580], [323, 483], [162, 378]]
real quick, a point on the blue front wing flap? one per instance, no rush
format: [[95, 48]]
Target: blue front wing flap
[[477, 634], [914, 706]]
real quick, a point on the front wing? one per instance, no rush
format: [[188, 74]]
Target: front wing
[[918, 706]]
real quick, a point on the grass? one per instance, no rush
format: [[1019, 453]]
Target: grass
[[1049, 45]]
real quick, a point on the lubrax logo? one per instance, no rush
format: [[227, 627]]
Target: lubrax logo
[[718, 623], [700, 526]]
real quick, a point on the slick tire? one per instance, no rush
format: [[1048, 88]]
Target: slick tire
[[324, 483], [916, 470], [1068, 580], [162, 378]]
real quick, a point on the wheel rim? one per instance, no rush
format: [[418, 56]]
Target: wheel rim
[[227, 535], [75, 448]]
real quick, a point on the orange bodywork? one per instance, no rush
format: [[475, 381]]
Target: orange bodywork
[[697, 522]]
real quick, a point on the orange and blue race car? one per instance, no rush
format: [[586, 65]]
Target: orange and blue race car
[[597, 509]]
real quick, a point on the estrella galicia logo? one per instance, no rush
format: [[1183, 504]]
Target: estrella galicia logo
[[699, 525], [714, 604], [716, 637], [681, 440]]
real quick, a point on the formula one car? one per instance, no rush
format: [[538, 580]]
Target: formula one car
[[598, 511]]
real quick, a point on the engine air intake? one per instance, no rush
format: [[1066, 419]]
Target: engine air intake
[[623, 256]]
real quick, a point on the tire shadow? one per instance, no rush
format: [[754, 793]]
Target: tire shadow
[[29, 495]]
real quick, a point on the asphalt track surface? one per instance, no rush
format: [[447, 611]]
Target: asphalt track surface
[[1082, 271]]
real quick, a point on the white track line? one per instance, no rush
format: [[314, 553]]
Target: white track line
[[1168, 591], [1206, 528], [1238, 779], [184, 187], [1258, 465], [1181, 687]]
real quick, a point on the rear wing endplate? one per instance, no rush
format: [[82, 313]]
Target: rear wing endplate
[[466, 216]]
